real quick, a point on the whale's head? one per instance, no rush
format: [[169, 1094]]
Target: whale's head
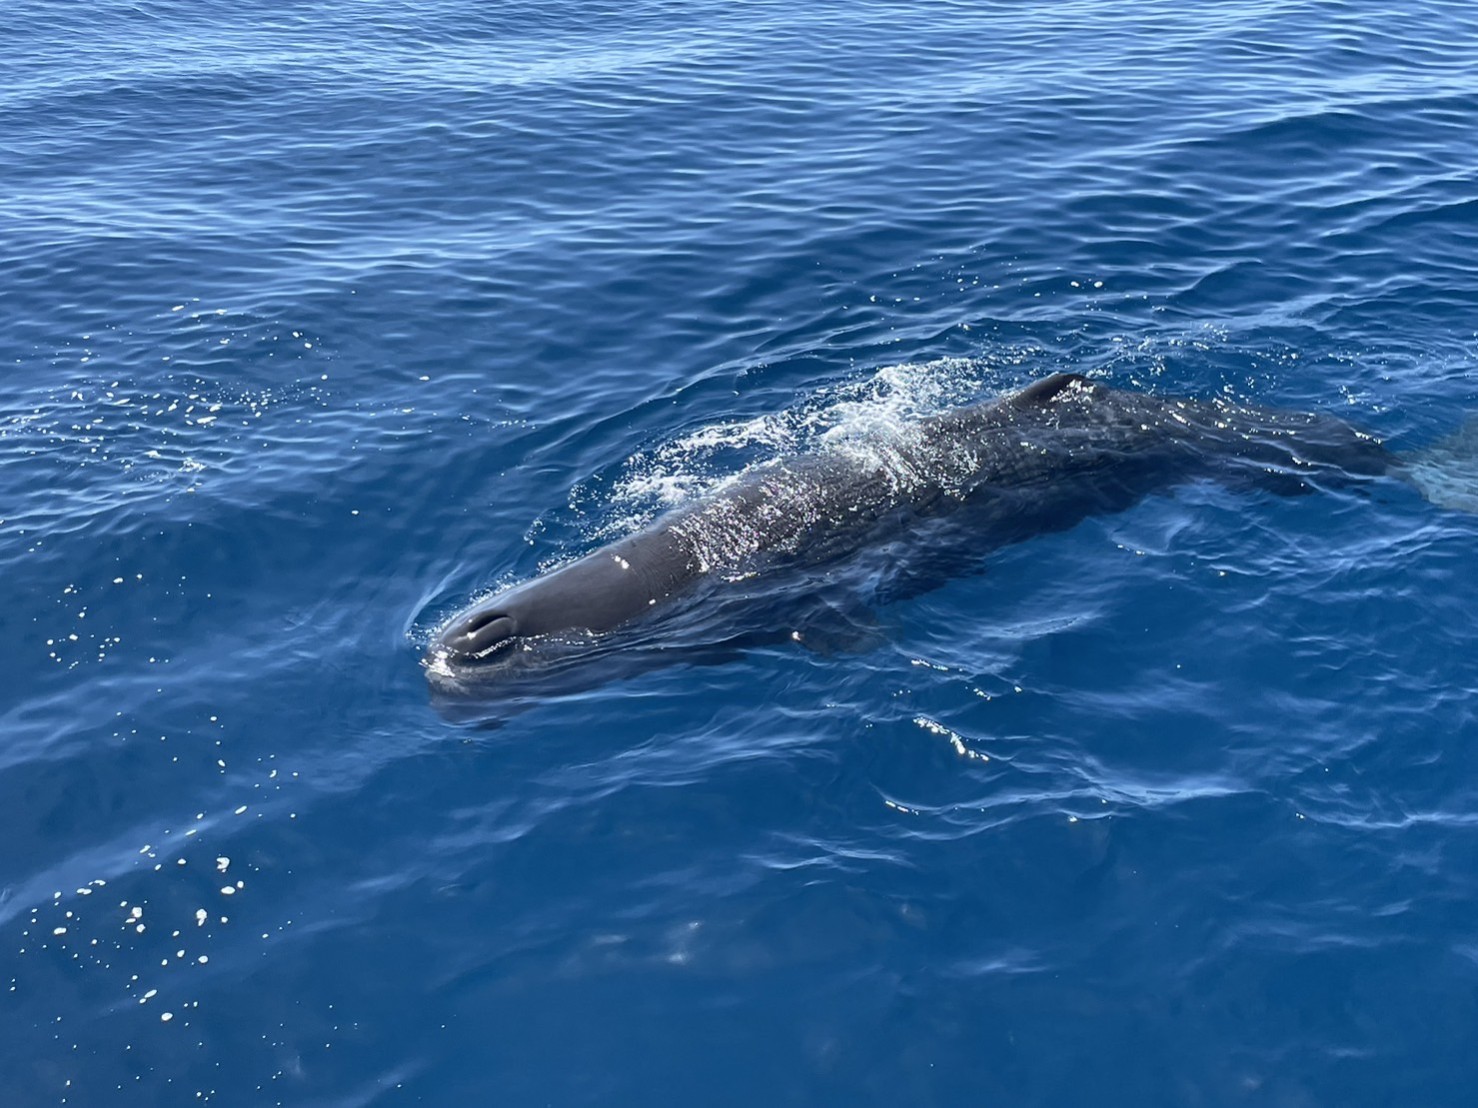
[[500, 647], [473, 637], [494, 660]]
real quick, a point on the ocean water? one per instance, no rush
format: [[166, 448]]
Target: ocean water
[[324, 319]]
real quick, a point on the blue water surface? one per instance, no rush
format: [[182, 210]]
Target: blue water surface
[[323, 319]]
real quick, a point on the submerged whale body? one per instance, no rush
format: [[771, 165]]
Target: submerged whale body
[[976, 477]]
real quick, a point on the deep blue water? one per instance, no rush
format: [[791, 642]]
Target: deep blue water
[[323, 319]]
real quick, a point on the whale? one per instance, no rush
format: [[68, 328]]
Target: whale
[[943, 489]]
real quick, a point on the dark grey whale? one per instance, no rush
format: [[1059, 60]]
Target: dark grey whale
[[993, 473]]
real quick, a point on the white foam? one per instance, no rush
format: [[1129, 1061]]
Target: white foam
[[870, 417]]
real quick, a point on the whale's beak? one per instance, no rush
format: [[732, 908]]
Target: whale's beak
[[472, 637]]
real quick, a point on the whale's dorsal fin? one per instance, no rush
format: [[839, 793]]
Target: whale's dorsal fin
[[1049, 388]]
